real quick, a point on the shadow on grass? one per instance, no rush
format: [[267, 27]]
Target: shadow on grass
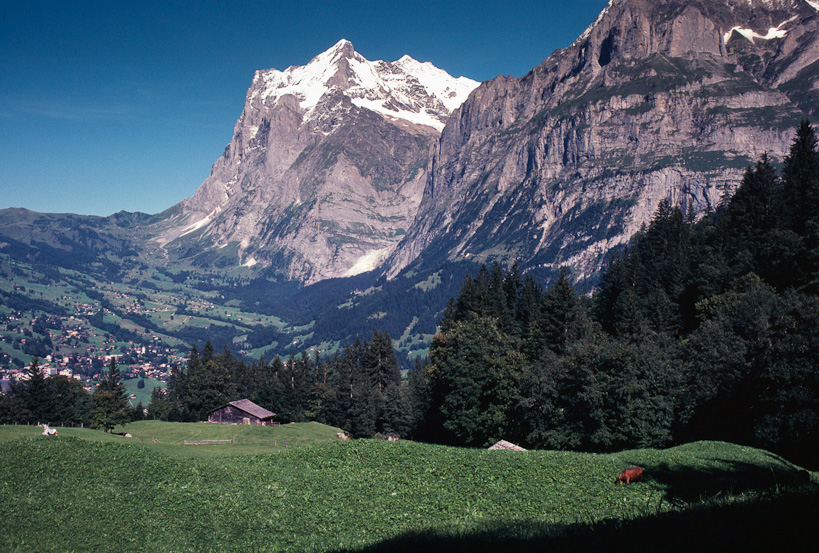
[[786, 523], [730, 478]]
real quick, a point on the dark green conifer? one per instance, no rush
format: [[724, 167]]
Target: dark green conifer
[[109, 403]]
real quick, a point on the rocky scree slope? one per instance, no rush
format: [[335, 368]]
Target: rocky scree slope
[[665, 99]]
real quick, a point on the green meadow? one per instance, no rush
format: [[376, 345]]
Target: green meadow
[[142, 394], [300, 488]]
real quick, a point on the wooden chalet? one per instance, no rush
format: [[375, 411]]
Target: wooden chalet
[[242, 411]]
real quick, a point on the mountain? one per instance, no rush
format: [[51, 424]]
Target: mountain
[[68, 240], [343, 166], [325, 170], [656, 99]]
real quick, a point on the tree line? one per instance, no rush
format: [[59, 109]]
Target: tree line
[[63, 401], [358, 388], [699, 330]]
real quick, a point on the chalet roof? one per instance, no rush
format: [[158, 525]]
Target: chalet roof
[[503, 444], [248, 407]]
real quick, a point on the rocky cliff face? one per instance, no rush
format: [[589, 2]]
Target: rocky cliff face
[[325, 171], [657, 99]]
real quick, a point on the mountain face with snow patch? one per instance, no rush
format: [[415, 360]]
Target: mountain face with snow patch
[[325, 170], [331, 164], [658, 99]]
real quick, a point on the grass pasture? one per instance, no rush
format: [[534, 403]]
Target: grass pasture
[[331, 495], [169, 438], [142, 394]]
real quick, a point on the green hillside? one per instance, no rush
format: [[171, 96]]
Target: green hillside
[[78, 493], [141, 394], [170, 437]]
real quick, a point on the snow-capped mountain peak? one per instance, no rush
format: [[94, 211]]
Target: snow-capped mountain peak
[[325, 170], [405, 89]]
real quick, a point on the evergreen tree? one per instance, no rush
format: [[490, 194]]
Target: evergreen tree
[[176, 399], [208, 352], [209, 386], [240, 374], [801, 179], [138, 412], [27, 400], [321, 391], [397, 416], [756, 207], [347, 382], [474, 379], [546, 424], [713, 364], [335, 394], [529, 317], [35, 395], [109, 403], [11, 407], [785, 384], [301, 381], [159, 408], [801, 184], [754, 230], [271, 391], [604, 394], [69, 403], [642, 288], [380, 362], [419, 400], [563, 314], [287, 403]]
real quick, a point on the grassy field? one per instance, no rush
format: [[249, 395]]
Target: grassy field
[[142, 394], [151, 493], [169, 438]]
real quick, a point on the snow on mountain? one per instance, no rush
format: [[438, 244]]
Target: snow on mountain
[[325, 170], [750, 34], [740, 7], [585, 34], [653, 101], [405, 89]]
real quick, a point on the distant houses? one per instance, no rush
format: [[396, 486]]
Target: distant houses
[[242, 411]]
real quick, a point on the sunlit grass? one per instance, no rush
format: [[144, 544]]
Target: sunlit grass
[[146, 494]]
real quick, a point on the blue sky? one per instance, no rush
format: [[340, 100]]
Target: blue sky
[[125, 105]]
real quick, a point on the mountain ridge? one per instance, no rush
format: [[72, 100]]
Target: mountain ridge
[[325, 168], [348, 219], [650, 103]]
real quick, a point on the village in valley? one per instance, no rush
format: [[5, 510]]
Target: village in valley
[[151, 362], [75, 323]]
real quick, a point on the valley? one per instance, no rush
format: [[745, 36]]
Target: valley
[[149, 317], [78, 320]]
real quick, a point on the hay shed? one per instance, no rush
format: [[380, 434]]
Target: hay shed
[[242, 411]]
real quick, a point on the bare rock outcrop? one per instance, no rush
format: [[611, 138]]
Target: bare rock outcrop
[[325, 171], [657, 99]]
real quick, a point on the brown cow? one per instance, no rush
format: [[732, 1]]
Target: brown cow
[[629, 475]]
